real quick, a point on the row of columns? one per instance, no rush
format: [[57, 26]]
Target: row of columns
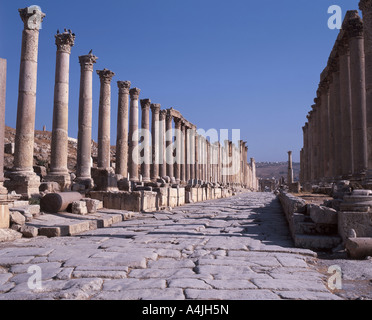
[[337, 140], [178, 152]]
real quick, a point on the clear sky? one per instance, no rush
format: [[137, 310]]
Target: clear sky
[[237, 64]]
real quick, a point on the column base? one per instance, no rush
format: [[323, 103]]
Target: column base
[[83, 184], [105, 179], [64, 180], [25, 183]]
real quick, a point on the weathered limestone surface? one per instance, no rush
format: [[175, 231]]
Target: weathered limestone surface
[[211, 250]]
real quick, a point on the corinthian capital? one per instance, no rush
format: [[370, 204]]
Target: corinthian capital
[[134, 93], [86, 62], [124, 86], [145, 103], [32, 17], [155, 107], [105, 76], [64, 41]]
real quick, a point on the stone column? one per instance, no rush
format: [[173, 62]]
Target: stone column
[[345, 106], [188, 154], [183, 152], [133, 135], [331, 132], [366, 7], [162, 148], [84, 148], [155, 140], [59, 146], [23, 179], [290, 169], [169, 145], [121, 167], [3, 70], [337, 160], [104, 146], [145, 125], [315, 161], [191, 152], [196, 165], [353, 27], [177, 167]]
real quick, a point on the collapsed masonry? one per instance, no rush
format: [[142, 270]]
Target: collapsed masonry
[[167, 166]]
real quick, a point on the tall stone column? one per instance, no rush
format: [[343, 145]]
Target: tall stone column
[[188, 154], [133, 135], [196, 166], [183, 152], [145, 125], [155, 136], [331, 132], [191, 152], [177, 167], [169, 145], [337, 162], [290, 168], [84, 148], [315, 160], [345, 106], [353, 27], [3, 69], [59, 146], [23, 179], [104, 146], [121, 167], [162, 148], [366, 7]]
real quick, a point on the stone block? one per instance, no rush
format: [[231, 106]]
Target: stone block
[[4, 216], [361, 222], [323, 215], [49, 186], [172, 197], [359, 248], [79, 207], [9, 235], [93, 205], [41, 171], [17, 218], [148, 199], [104, 179], [180, 196], [29, 231], [162, 198]]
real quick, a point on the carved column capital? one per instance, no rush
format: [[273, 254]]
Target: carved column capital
[[163, 115], [365, 6], [155, 108], [145, 104], [32, 17], [134, 93], [124, 86], [105, 76], [87, 61], [64, 41]]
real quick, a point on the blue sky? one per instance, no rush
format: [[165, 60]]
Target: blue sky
[[238, 64]]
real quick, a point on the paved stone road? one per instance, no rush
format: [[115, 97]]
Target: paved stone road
[[235, 248]]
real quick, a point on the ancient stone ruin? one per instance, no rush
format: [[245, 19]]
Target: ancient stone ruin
[[160, 163]]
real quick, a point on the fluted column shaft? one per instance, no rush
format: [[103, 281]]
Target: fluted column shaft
[[169, 145], [162, 145]]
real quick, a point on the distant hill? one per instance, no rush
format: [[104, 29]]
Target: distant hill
[[277, 170]]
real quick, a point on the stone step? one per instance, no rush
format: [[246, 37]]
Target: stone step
[[68, 224], [312, 228], [316, 242]]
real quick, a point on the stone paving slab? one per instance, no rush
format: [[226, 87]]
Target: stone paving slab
[[235, 248]]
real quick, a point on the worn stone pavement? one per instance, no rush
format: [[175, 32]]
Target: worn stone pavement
[[236, 248]]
